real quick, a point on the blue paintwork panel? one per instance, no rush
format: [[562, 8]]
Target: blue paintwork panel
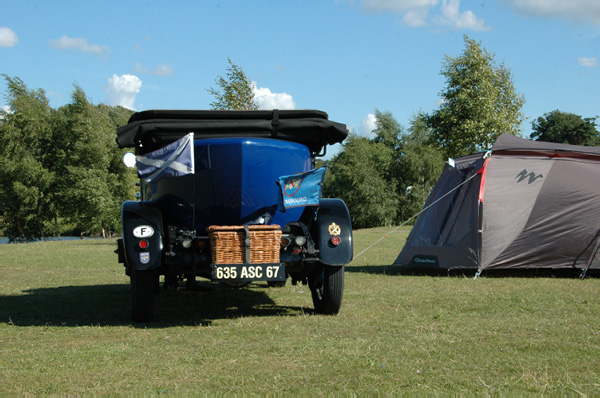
[[235, 183]]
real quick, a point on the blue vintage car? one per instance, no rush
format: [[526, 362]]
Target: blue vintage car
[[243, 210]]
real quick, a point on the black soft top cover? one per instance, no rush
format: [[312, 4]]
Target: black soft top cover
[[153, 129]]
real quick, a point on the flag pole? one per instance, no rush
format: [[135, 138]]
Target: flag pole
[[193, 184], [192, 283]]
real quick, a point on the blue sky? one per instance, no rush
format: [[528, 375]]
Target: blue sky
[[346, 57]]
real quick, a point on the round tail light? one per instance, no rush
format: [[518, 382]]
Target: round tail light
[[285, 241]]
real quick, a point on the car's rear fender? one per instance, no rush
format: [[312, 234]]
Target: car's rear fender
[[142, 221], [333, 226]]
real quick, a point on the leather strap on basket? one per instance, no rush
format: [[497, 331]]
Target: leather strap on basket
[[247, 243]]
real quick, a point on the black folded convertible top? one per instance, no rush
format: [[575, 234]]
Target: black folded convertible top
[[153, 129]]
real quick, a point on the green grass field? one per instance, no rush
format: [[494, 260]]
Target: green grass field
[[65, 328]]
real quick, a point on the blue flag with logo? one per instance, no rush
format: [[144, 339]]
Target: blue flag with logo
[[303, 189], [173, 160]]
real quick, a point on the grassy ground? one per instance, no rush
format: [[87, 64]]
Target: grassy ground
[[65, 328]]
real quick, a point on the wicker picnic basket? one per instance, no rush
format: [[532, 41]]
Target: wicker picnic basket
[[228, 244]]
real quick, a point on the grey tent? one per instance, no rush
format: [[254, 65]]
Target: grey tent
[[524, 204]]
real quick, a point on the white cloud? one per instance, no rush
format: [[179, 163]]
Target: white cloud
[[416, 18], [269, 100], [588, 62], [367, 125], [415, 13], [454, 19], [81, 44], [159, 70], [396, 6], [122, 90], [8, 38], [583, 11]]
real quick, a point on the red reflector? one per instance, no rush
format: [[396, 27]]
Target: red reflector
[[143, 244], [336, 240]]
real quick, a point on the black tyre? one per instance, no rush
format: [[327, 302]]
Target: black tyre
[[143, 287], [327, 287]]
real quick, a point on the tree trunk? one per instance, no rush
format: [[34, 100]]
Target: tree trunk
[[57, 231], [21, 232]]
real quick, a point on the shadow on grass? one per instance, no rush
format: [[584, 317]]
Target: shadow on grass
[[110, 305], [377, 269], [394, 270], [496, 273]]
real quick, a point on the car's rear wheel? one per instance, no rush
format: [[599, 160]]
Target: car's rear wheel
[[143, 287], [326, 284]]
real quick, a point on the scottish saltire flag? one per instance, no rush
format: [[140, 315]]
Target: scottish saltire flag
[[173, 160], [303, 189]]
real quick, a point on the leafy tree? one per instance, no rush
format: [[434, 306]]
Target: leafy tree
[[24, 181], [94, 181], [566, 128], [419, 168], [479, 103], [416, 165], [359, 175], [387, 129], [60, 165], [118, 114], [235, 91], [386, 179]]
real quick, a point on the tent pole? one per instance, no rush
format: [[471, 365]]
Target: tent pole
[[589, 262], [479, 232], [595, 249]]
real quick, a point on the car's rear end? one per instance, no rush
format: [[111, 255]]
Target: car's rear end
[[227, 221]]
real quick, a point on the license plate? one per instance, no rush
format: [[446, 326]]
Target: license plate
[[248, 272]]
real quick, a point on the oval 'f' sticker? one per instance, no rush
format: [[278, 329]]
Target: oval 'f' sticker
[[143, 231]]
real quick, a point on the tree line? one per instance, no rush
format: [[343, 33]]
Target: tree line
[[60, 169]]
